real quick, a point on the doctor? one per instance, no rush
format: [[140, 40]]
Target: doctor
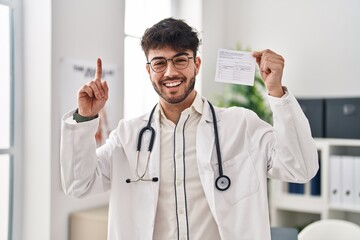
[[206, 174]]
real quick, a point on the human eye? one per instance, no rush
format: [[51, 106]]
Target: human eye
[[158, 64], [181, 60]]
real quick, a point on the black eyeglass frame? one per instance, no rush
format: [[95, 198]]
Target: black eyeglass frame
[[172, 60]]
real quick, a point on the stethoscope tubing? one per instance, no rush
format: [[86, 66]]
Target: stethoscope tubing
[[148, 127], [217, 144], [222, 182]]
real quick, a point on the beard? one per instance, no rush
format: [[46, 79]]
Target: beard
[[175, 100]]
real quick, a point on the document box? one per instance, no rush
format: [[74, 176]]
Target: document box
[[343, 118], [314, 111]]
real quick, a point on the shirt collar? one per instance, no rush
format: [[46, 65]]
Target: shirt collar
[[196, 106]]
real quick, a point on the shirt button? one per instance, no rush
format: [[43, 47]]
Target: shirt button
[[181, 211], [178, 182]]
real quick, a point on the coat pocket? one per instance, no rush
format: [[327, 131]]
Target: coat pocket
[[243, 177]]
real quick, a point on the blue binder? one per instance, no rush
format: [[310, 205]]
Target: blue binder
[[315, 183], [296, 188]]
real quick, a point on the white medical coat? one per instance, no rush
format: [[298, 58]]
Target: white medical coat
[[251, 149]]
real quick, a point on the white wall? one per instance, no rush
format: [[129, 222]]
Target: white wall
[[54, 30], [318, 39], [36, 119], [213, 37], [81, 30]]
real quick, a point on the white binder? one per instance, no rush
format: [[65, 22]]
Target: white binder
[[357, 181], [348, 183], [335, 179]]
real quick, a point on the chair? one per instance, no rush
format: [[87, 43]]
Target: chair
[[330, 229], [284, 233]]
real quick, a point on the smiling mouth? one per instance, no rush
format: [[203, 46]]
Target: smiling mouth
[[172, 84]]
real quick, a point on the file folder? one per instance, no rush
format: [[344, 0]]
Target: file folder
[[357, 181], [348, 183], [335, 179]]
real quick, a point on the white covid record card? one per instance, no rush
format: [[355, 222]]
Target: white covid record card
[[235, 67]]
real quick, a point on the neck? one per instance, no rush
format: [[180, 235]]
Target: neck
[[173, 111]]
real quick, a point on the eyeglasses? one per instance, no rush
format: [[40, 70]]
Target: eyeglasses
[[159, 64]]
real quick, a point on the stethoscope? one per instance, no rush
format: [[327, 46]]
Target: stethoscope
[[222, 182]]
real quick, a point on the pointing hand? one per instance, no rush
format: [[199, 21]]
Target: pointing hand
[[93, 95]]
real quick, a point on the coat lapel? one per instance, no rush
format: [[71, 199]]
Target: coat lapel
[[205, 144], [154, 164]]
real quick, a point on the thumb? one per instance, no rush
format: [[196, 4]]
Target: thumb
[[257, 56]]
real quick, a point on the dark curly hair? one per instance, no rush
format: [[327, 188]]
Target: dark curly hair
[[173, 33]]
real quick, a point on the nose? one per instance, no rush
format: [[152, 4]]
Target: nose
[[170, 69]]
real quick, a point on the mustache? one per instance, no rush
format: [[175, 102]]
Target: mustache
[[173, 78]]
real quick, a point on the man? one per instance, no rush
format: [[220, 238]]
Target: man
[[174, 191]]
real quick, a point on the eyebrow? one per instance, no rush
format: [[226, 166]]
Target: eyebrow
[[176, 55]]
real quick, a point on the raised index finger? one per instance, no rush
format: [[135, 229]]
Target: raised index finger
[[98, 72]]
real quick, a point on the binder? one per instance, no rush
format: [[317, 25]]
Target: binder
[[315, 183], [342, 117], [347, 180], [314, 110], [335, 179], [296, 188], [357, 181]]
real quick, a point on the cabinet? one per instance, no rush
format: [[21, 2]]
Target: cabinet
[[89, 224], [298, 210]]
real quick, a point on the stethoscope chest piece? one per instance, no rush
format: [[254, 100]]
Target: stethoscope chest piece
[[222, 183]]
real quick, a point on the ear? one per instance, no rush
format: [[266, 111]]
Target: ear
[[148, 68], [197, 64]]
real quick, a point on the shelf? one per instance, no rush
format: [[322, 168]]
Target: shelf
[[338, 142], [288, 218], [300, 203], [352, 209], [296, 209]]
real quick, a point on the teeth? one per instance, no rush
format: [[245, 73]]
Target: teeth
[[172, 84]]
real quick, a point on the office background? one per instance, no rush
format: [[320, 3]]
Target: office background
[[318, 39]]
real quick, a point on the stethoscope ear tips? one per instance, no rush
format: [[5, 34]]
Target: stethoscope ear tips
[[222, 183]]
